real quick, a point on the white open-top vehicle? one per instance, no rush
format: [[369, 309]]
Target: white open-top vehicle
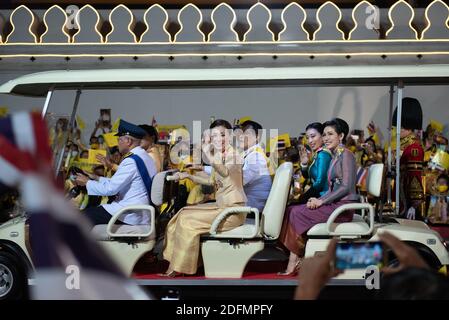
[[227, 256]]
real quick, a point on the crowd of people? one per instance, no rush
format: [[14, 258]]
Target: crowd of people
[[330, 161]]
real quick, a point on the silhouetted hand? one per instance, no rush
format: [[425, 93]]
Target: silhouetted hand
[[315, 272], [407, 255]]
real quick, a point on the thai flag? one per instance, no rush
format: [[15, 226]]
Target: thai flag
[[68, 263], [362, 174]]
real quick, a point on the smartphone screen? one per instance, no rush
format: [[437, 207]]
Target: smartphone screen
[[353, 255]]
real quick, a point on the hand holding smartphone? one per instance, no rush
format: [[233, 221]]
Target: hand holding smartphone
[[74, 171]]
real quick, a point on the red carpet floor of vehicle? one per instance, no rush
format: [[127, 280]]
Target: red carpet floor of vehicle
[[268, 270]]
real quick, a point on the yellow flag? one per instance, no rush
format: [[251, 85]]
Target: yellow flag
[[274, 141], [286, 138], [427, 156], [93, 156], [3, 112], [376, 139], [443, 270], [438, 126], [115, 125], [111, 139], [80, 122], [441, 159], [83, 164], [304, 140], [243, 119], [393, 140]]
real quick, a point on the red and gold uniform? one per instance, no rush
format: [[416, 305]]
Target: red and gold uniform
[[411, 186], [411, 196]]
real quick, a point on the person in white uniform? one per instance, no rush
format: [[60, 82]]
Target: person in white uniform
[[131, 183], [256, 170]]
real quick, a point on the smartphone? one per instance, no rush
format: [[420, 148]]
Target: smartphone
[[75, 170], [359, 255]]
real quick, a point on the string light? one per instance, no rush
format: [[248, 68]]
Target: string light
[[429, 23], [224, 43], [234, 20], [55, 7], [87, 6], [364, 2], [409, 22], [328, 3], [197, 26], [163, 26], [293, 4], [33, 21], [201, 54], [259, 4], [131, 23]]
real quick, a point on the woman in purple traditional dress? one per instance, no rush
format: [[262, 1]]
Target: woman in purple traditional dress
[[342, 190]]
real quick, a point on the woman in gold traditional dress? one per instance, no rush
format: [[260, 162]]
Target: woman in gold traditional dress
[[182, 241]]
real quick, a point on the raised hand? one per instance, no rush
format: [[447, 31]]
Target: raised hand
[[315, 272], [407, 256], [303, 156], [104, 161]]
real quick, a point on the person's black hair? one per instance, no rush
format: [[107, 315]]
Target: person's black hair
[[318, 126], [113, 150], [220, 123], [414, 284], [249, 124], [370, 139], [411, 117], [443, 176], [357, 132], [340, 126], [151, 131], [292, 154]]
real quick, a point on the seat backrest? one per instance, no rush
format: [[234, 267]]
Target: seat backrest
[[273, 213], [374, 179], [158, 187]]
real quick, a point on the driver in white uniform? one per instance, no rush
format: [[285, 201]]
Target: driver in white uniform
[[131, 183]]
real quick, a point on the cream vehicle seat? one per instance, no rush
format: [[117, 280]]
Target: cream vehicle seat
[[361, 225], [225, 254], [126, 243]]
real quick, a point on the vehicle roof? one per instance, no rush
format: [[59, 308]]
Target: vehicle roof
[[38, 84]]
